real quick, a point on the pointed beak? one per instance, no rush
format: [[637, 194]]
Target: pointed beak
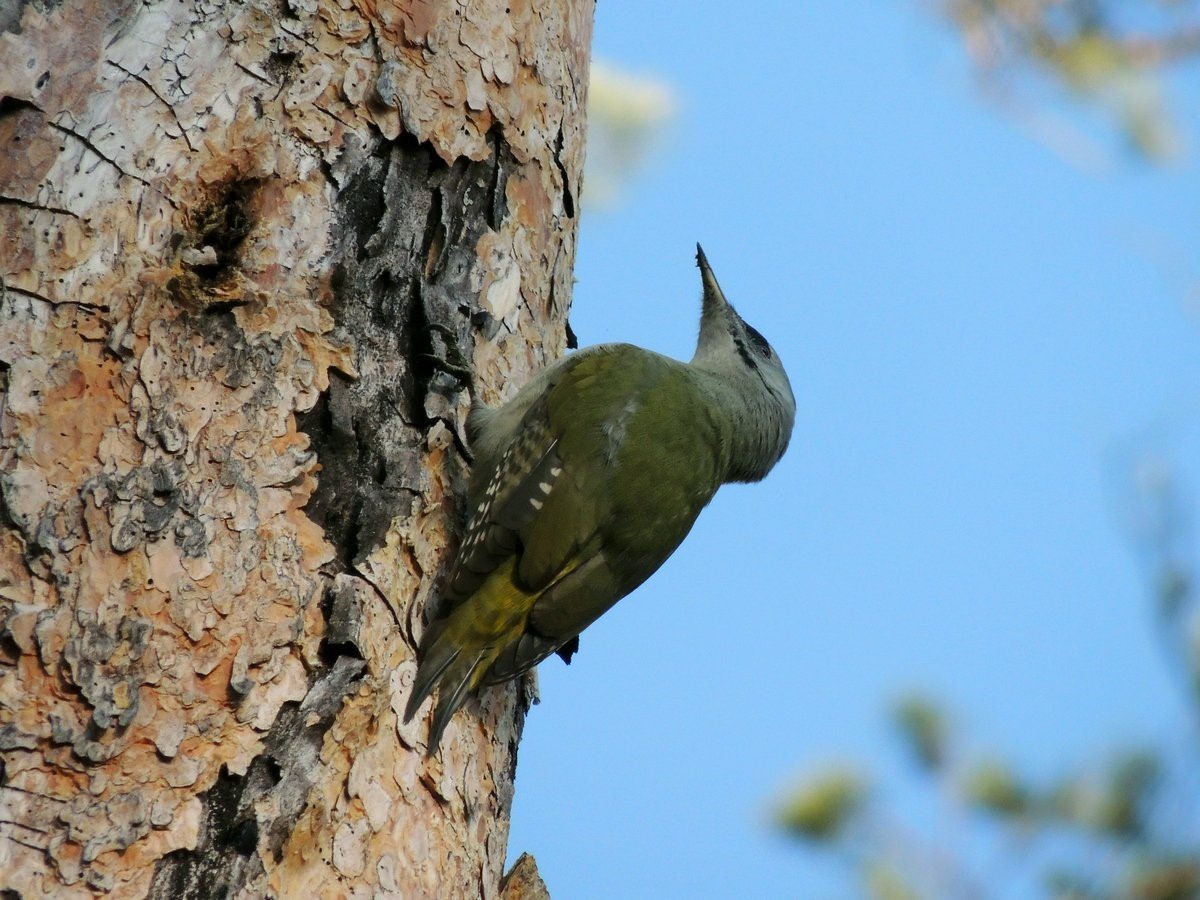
[[714, 297]]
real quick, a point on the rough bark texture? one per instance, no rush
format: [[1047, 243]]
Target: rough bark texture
[[246, 251]]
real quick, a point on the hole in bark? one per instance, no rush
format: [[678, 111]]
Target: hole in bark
[[10, 648], [10, 105], [273, 770], [279, 62], [342, 621], [330, 651], [223, 225]]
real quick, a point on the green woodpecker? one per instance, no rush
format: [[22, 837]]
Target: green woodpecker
[[584, 483]]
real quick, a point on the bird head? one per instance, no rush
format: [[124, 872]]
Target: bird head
[[729, 345]]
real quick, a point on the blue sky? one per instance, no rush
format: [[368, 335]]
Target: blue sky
[[979, 336]]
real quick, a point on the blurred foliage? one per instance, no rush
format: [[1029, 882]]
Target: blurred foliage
[[1115, 832], [886, 883], [992, 786], [923, 728], [627, 115], [821, 806], [1128, 827], [1112, 53]]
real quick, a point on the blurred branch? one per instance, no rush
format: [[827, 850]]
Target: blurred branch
[[1182, 46], [1110, 53], [1158, 517]]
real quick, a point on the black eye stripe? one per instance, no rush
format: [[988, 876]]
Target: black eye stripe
[[744, 353], [760, 342]]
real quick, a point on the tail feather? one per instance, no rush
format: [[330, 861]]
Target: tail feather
[[519, 657], [435, 656], [446, 668], [457, 651], [462, 676]]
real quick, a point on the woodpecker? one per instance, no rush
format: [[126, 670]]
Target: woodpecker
[[584, 483]]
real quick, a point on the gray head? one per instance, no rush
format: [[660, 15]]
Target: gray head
[[736, 351]]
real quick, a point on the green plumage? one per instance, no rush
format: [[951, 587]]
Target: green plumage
[[584, 484]]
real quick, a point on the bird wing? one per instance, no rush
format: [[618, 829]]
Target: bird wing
[[508, 503], [544, 503], [529, 502], [563, 552]]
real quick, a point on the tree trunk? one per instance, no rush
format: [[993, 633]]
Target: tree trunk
[[249, 253]]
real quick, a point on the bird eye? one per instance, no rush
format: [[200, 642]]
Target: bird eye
[[760, 342]]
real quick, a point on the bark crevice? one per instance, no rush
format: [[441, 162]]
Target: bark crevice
[[407, 265]]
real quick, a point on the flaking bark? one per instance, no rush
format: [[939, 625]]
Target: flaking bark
[[249, 253]]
